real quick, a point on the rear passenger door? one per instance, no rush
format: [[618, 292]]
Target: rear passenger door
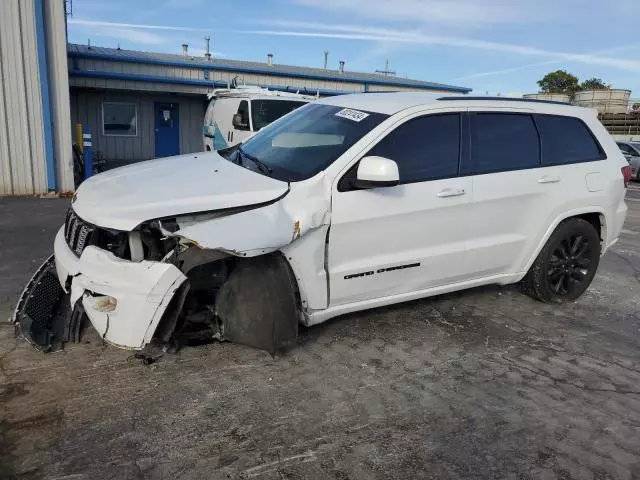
[[527, 169], [507, 197]]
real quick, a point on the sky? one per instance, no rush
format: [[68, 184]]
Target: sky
[[492, 46]]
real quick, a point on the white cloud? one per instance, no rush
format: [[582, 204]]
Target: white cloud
[[470, 13], [130, 34], [354, 32], [99, 23], [594, 56]]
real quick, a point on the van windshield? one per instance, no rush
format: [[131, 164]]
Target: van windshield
[[263, 112], [308, 140]]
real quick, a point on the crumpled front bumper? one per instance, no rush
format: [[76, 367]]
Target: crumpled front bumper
[[124, 300]]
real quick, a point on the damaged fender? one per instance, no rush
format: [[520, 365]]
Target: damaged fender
[[266, 229]]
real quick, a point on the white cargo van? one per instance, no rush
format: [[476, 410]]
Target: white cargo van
[[234, 114]]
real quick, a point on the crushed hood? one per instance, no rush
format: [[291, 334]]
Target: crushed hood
[[125, 197]]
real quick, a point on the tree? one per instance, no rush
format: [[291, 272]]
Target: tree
[[594, 84], [635, 107], [559, 82]]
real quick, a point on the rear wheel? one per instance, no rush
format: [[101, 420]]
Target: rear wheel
[[566, 265]]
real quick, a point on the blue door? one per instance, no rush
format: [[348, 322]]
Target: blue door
[[167, 129]]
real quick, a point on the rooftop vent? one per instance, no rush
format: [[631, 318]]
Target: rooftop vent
[[207, 53]]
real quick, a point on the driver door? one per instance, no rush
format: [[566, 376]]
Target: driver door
[[392, 240]]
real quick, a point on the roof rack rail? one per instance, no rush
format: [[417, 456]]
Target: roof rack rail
[[503, 99]]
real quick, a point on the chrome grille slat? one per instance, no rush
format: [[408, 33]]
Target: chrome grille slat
[[77, 232]]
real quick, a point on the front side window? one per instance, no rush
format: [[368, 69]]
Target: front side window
[[119, 119], [308, 140], [566, 140], [425, 148], [502, 142], [263, 112], [243, 111]]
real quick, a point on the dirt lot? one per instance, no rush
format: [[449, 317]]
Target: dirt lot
[[481, 384]]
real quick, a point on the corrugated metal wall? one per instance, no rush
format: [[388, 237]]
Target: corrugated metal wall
[[22, 153], [32, 36], [187, 73], [86, 107], [190, 73], [59, 92]]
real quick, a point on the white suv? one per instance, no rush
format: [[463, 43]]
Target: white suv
[[348, 203]]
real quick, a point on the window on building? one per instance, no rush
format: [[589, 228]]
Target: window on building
[[425, 148], [566, 140], [502, 142], [119, 119]]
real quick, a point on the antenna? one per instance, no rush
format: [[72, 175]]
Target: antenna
[[386, 70]]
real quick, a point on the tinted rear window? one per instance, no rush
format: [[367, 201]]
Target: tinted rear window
[[501, 142], [566, 140]]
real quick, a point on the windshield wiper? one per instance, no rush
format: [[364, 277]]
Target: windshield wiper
[[263, 167]]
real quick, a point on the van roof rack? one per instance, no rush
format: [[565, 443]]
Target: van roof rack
[[503, 99]]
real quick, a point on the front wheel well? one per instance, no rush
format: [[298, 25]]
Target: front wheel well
[[253, 301]]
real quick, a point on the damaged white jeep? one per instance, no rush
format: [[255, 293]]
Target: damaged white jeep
[[345, 204]]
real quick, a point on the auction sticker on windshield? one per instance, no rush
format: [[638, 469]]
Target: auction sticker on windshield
[[353, 115]]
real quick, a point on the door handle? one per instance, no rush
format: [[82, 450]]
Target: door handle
[[451, 192], [547, 179]]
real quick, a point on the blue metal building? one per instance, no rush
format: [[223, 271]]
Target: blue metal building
[[133, 84]]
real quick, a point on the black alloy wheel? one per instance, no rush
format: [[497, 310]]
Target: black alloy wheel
[[566, 264], [569, 264]]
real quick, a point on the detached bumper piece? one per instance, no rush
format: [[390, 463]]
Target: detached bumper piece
[[43, 315]]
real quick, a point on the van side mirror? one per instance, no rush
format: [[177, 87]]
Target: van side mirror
[[238, 122], [209, 131], [376, 172]]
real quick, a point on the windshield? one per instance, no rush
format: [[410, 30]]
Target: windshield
[[308, 140], [263, 112]]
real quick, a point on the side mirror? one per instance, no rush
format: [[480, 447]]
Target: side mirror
[[238, 122], [209, 131], [376, 172]]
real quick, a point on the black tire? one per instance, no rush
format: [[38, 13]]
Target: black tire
[[566, 265]]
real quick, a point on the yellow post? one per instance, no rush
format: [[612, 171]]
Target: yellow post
[[79, 140]]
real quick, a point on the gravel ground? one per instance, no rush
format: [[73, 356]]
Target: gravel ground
[[485, 383]]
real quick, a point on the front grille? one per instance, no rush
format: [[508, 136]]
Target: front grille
[[77, 233]]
